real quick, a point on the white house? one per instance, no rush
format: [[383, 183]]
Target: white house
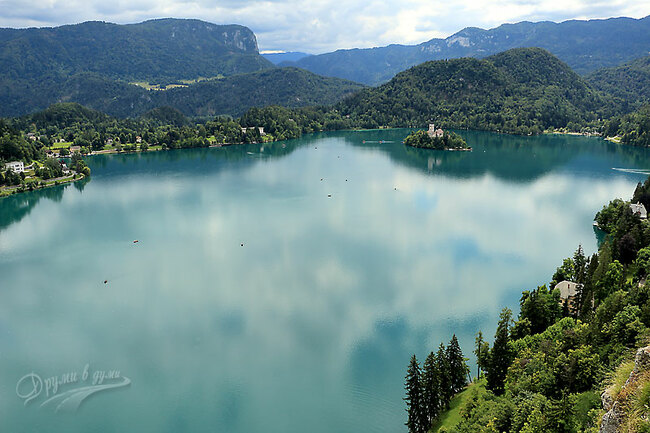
[[640, 210], [259, 128], [568, 293], [15, 166]]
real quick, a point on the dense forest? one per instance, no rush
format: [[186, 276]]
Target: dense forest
[[547, 367], [629, 82], [28, 138], [522, 91], [231, 95], [288, 87], [633, 128]]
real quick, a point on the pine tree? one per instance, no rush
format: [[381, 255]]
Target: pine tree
[[442, 367], [586, 295], [580, 263], [561, 414], [482, 352], [457, 367], [431, 389], [414, 404], [500, 355]]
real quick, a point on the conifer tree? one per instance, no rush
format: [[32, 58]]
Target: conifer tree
[[457, 366], [442, 367], [586, 293], [580, 263], [431, 389], [500, 355], [482, 352], [414, 405]]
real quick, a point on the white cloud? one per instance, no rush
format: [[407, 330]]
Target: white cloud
[[322, 25]]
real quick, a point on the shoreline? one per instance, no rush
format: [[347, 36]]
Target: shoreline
[[7, 191]]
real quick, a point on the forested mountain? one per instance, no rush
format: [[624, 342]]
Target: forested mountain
[[231, 95], [630, 82], [291, 56], [96, 63], [152, 50], [288, 87], [523, 90], [584, 45]]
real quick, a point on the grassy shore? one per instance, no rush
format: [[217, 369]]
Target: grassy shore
[[453, 415]]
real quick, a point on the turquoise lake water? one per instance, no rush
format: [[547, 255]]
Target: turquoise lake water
[[255, 302]]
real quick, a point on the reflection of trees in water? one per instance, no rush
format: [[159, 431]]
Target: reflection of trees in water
[[520, 159], [80, 185], [197, 161], [16, 207], [516, 158]]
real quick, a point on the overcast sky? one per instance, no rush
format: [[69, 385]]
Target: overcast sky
[[317, 26]]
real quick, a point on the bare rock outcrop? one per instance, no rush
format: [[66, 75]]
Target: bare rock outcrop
[[614, 416]]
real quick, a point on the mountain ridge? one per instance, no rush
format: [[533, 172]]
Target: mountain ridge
[[584, 45]]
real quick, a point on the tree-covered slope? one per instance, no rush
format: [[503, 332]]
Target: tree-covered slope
[[152, 50], [629, 82], [584, 45], [632, 128], [231, 95], [22, 96], [524, 90], [288, 87]]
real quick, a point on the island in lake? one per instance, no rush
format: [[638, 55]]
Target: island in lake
[[436, 139]]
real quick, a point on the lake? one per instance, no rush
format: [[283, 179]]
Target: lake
[[279, 288]]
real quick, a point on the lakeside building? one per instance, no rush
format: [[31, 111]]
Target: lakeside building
[[259, 128], [15, 166], [639, 209], [569, 292]]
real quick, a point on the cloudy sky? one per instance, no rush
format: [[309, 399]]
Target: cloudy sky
[[317, 26]]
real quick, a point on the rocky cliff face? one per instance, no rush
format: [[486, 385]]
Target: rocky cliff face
[[616, 405]]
